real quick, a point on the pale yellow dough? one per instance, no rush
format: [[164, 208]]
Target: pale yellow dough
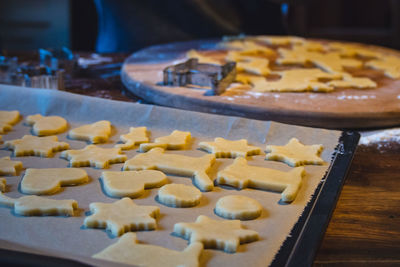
[[122, 216], [241, 175], [9, 167], [36, 146], [49, 181], [131, 183], [47, 125], [176, 140], [201, 58], [390, 65], [351, 50], [97, 132], [219, 234], [135, 136], [280, 40], [39, 206], [295, 153], [350, 81], [127, 250], [248, 47], [175, 164], [179, 195], [94, 156], [223, 148], [3, 184], [7, 119], [238, 207]]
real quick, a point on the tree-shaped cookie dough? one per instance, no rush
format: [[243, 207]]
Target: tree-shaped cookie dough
[[175, 164], [93, 156], [241, 175], [219, 234], [223, 148], [31, 145], [127, 250], [97, 132], [49, 125], [176, 140], [390, 65], [135, 136], [122, 216], [9, 167], [49, 181], [131, 183], [295, 153], [7, 119]]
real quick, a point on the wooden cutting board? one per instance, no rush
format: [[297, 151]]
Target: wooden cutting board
[[344, 108]]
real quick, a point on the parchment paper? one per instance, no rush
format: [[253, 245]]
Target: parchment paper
[[66, 236]]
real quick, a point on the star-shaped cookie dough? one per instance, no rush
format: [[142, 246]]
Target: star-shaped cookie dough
[[9, 167], [135, 136], [176, 140], [219, 234], [93, 156], [47, 125], [223, 148], [31, 145], [122, 216], [295, 153], [97, 132], [7, 119]]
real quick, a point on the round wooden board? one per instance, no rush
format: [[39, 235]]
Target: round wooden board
[[142, 74]]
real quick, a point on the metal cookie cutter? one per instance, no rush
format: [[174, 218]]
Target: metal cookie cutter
[[191, 72]]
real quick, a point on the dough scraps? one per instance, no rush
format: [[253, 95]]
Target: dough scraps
[[176, 140], [94, 156], [31, 145], [49, 181], [49, 125], [39, 206], [9, 167], [122, 216], [219, 234], [3, 184], [135, 136], [202, 58], [97, 132], [7, 119], [295, 153], [238, 207], [131, 183], [179, 195], [127, 250], [175, 164], [390, 65], [241, 175], [223, 148]]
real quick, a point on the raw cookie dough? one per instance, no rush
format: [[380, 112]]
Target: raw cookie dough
[[131, 183], [49, 181], [175, 164], [128, 250], [122, 216], [223, 148], [94, 156], [238, 207], [31, 145], [295, 153], [47, 125], [97, 132], [179, 195], [241, 175], [390, 65], [39, 206], [9, 167], [135, 136], [3, 184], [176, 140], [248, 47], [202, 58], [7, 119], [219, 234], [352, 50], [280, 40]]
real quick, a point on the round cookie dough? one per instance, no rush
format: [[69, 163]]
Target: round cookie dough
[[238, 207], [179, 195]]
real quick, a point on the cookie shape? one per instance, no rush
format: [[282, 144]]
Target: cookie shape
[[295, 153], [97, 132], [179, 195], [49, 181], [176, 140], [202, 58], [9, 167], [390, 65], [131, 183], [3, 184], [122, 216], [223, 148], [31, 145], [7, 119], [280, 40], [352, 50], [135, 136], [39, 206], [258, 66], [49, 125], [241, 175], [248, 47], [238, 207], [350, 81], [175, 164], [127, 250], [224, 235], [93, 156]]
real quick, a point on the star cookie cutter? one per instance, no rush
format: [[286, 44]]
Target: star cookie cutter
[[192, 73]]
